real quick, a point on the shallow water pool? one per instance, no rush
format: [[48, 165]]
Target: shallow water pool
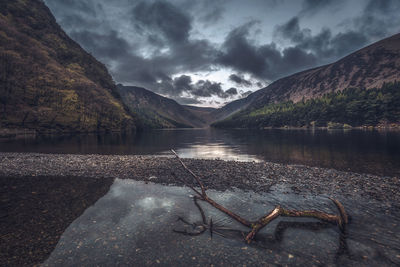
[[133, 225]]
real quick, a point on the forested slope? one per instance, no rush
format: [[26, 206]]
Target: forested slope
[[47, 81]]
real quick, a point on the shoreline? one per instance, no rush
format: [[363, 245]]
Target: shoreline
[[42, 194], [216, 174], [19, 133], [16, 133], [395, 128]]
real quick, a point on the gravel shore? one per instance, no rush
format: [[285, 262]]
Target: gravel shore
[[41, 194], [216, 174]]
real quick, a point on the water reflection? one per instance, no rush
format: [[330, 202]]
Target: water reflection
[[359, 151], [133, 225], [215, 151]]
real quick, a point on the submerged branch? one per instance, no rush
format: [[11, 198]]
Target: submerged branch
[[255, 226]]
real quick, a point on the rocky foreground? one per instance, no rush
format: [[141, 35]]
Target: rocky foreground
[[41, 194], [216, 174]]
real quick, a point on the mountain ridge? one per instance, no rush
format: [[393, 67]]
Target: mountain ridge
[[358, 69]]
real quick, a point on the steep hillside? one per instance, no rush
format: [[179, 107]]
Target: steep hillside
[[47, 81], [367, 68], [205, 113], [343, 109], [157, 111], [236, 106]]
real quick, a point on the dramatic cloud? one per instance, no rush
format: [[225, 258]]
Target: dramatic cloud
[[182, 86], [310, 7], [162, 17], [264, 61], [208, 11], [270, 62], [240, 80], [199, 52], [325, 46], [240, 53], [207, 89], [379, 19], [183, 83], [202, 88], [231, 91]]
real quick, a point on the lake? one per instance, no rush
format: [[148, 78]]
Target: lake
[[375, 152]]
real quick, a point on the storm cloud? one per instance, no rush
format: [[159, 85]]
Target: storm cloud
[[379, 19], [202, 88], [310, 7], [198, 52], [240, 80], [164, 18], [263, 61], [325, 46]]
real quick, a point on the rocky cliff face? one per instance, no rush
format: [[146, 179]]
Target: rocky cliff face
[[47, 81]]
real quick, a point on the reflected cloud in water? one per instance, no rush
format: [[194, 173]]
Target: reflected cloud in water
[[133, 225]]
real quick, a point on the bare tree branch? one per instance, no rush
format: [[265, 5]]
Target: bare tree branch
[[203, 216], [203, 196], [341, 220], [203, 190]]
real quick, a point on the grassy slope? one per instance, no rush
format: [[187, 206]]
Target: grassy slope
[[355, 107]]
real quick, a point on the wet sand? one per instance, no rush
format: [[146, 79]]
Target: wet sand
[[36, 210]]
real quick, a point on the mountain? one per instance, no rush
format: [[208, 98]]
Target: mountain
[[236, 106], [205, 113], [47, 81], [156, 111], [370, 67]]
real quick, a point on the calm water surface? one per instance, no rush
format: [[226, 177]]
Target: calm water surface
[[132, 225], [356, 150]]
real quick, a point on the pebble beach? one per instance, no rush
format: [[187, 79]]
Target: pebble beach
[[33, 217]]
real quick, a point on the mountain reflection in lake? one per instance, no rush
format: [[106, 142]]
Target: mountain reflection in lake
[[132, 225], [360, 151]]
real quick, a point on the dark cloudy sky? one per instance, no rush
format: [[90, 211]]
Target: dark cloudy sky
[[208, 52]]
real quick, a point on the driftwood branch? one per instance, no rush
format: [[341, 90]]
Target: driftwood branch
[[201, 228], [203, 195], [255, 226]]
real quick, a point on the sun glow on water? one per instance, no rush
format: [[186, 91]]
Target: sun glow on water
[[215, 151]]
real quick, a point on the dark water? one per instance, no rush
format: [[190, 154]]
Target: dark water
[[356, 150], [132, 225]]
